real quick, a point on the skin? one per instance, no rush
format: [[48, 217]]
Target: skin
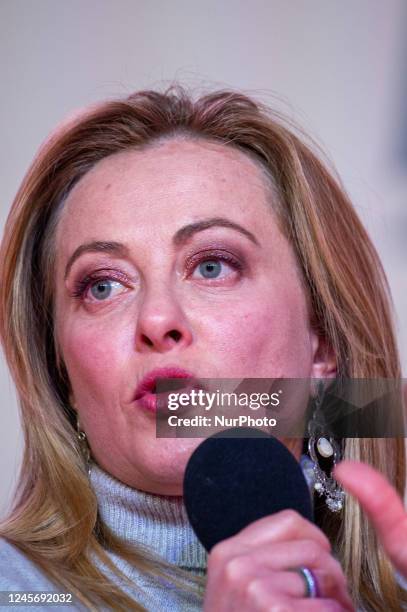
[[249, 324], [252, 323], [382, 504]]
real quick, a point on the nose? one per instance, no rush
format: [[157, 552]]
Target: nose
[[162, 324]]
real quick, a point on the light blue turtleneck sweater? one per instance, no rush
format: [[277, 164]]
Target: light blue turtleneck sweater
[[158, 522]]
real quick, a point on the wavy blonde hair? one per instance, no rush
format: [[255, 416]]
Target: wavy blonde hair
[[54, 519]]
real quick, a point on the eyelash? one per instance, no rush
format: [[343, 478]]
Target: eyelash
[[82, 285], [194, 261]]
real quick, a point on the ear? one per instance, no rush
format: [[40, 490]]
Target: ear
[[324, 364]]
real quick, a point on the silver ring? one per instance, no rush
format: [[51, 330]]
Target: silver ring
[[311, 582]]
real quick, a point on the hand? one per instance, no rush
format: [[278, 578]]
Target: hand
[[382, 504], [251, 570]]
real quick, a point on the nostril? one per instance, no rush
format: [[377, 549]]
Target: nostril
[[175, 334], [147, 340]]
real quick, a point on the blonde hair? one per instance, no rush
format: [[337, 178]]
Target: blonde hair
[[54, 520]]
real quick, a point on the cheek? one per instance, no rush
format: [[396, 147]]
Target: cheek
[[264, 337], [95, 355]]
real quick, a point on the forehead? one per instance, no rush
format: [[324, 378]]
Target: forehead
[[161, 188]]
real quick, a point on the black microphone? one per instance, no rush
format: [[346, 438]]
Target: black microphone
[[229, 482]]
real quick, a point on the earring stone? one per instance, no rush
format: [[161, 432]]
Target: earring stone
[[325, 447]]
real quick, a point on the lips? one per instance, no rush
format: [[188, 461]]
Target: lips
[[145, 395]]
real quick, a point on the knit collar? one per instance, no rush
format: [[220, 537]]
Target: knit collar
[[158, 522]]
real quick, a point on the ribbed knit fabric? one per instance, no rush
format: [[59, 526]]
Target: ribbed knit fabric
[[156, 522], [160, 524]]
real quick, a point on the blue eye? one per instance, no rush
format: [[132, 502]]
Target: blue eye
[[100, 288], [210, 268]]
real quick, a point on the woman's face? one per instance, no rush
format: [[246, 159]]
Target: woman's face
[[159, 306]]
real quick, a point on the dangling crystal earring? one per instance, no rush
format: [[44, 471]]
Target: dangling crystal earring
[[85, 448], [326, 448]]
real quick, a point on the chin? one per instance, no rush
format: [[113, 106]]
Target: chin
[[164, 470]]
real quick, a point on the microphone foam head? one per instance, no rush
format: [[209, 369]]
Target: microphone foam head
[[231, 481]]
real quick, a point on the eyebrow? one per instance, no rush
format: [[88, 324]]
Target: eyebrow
[[114, 248], [186, 232], [181, 236]]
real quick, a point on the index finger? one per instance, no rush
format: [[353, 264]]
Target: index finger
[[381, 503], [283, 525]]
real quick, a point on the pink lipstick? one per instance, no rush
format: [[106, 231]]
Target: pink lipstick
[[145, 393]]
